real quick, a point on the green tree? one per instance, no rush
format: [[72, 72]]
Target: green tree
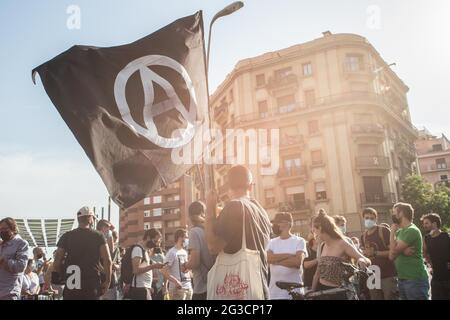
[[425, 199]]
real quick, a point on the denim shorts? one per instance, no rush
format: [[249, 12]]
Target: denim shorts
[[414, 289]]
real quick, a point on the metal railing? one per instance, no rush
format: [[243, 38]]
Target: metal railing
[[291, 171], [372, 162], [348, 97], [387, 198], [297, 205]]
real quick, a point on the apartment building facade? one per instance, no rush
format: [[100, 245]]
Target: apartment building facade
[[165, 210], [346, 138], [433, 154]]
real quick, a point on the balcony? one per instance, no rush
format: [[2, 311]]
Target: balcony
[[292, 206], [291, 140], [377, 199], [368, 132], [347, 98], [280, 82], [372, 163], [292, 172], [221, 112], [436, 167]]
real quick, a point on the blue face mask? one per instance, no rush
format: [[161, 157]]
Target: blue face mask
[[369, 224]]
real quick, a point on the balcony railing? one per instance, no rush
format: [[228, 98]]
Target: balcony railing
[[369, 128], [289, 140], [372, 162], [292, 172], [297, 205], [384, 198], [437, 167], [276, 82], [348, 97]]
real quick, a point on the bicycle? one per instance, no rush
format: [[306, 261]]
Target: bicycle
[[350, 287]]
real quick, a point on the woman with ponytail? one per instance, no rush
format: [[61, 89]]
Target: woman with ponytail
[[332, 252]]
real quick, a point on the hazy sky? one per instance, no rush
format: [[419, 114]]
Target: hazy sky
[[43, 170]]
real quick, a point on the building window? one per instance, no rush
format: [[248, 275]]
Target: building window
[[296, 197], [444, 177], [269, 196], [260, 80], [176, 197], [177, 223], [292, 163], [310, 98], [157, 212], [157, 199], [313, 127], [437, 147], [354, 62], [283, 73], [263, 109], [286, 103], [307, 69], [147, 213], [147, 200], [147, 226], [157, 225], [316, 157], [441, 163], [321, 193]]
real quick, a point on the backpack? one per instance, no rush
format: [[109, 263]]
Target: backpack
[[126, 269], [380, 235]]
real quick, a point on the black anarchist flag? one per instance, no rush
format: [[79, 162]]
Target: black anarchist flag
[[130, 106]]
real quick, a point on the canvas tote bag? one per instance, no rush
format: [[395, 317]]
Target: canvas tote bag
[[237, 276]]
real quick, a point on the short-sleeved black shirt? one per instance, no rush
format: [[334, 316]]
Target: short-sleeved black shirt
[[257, 228], [439, 250], [82, 247]]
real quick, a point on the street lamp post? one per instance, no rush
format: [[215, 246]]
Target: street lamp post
[[209, 182]]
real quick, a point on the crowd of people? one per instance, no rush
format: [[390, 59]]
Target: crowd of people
[[234, 252]]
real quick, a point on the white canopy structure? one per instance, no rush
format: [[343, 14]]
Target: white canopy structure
[[43, 233]]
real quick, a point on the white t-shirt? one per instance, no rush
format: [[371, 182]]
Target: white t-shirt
[[31, 283], [291, 245], [143, 280], [175, 259]]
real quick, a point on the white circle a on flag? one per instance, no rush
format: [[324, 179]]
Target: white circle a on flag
[[181, 136]]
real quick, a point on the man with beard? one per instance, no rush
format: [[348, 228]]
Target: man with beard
[[13, 260], [406, 251], [437, 252]]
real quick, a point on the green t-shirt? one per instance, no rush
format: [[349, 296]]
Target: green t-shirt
[[411, 268]]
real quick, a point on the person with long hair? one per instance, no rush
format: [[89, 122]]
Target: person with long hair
[[332, 252]]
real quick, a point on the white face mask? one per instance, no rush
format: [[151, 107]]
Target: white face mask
[[186, 243], [343, 229], [369, 224]]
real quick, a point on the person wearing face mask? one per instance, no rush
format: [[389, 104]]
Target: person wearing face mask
[[180, 286], [142, 268], [200, 260], [13, 260], [406, 251], [375, 245], [436, 250], [285, 255]]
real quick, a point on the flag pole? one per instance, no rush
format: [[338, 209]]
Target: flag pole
[[209, 183]]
